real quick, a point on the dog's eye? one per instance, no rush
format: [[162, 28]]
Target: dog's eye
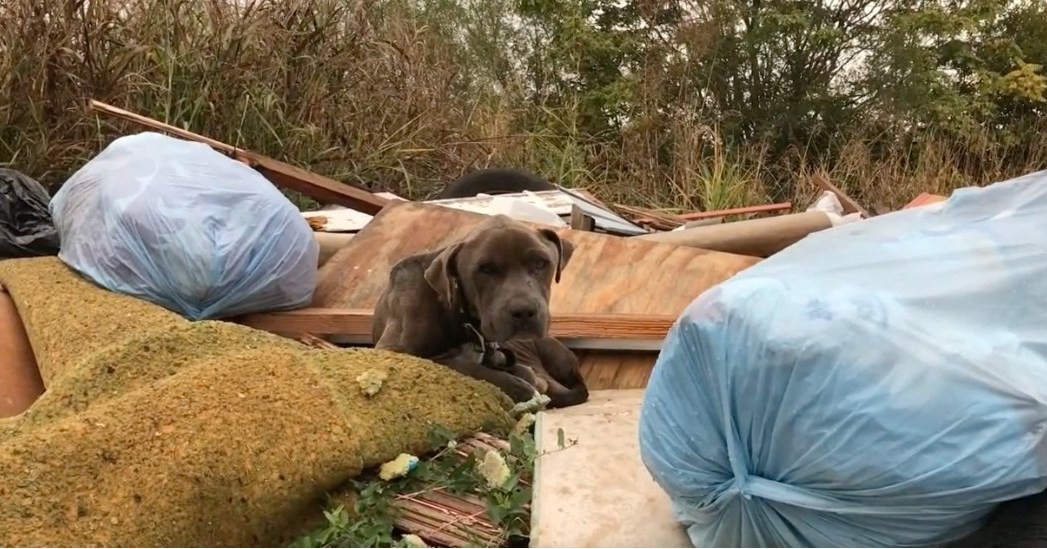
[[487, 269], [540, 264]]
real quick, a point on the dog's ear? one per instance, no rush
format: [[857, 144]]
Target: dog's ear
[[442, 276], [564, 249]]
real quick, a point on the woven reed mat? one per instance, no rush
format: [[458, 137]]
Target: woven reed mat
[[157, 431]]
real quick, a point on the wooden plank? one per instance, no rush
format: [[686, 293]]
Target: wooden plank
[[848, 203], [358, 322], [323, 189], [606, 275]]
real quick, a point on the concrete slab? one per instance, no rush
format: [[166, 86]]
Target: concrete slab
[[597, 493]]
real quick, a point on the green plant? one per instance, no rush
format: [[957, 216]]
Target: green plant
[[371, 521]]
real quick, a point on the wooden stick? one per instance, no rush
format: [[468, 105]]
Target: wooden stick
[[358, 323], [654, 218], [764, 208], [323, 189], [667, 219], [848, 203]]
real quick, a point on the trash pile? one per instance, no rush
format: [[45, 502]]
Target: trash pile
[[816, 376]]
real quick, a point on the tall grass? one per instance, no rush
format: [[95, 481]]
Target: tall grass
[[377, 93]]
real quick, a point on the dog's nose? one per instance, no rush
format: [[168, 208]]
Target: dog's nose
[[524, 312]]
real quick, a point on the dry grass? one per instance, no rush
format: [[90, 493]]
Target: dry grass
[[375, 93]]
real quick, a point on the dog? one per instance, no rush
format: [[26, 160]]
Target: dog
[[495, 181], [481, 307]]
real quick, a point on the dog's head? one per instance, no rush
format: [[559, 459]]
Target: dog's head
[[502, 274]]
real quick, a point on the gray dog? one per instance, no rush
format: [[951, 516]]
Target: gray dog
[[481, 307]]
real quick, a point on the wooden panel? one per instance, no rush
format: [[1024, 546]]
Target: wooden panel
[[606, 275]]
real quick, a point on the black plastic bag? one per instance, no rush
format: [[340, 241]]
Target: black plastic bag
[[26, 229]]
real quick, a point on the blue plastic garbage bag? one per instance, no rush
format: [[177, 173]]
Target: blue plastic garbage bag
[[183, 226], [881, 383]]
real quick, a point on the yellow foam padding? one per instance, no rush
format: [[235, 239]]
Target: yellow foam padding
[[157, 431]]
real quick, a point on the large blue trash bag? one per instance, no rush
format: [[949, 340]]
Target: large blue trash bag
[[881, 383], [185, 227]]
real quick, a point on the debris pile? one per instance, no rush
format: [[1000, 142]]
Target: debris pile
[[242, 430]]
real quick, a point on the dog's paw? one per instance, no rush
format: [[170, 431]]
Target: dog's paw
[[517, 389], [499, 359], [527, 374]]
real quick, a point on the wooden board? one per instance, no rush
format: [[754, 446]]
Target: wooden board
[[606, 275], [848, 203], [358, 322], [279, 173]]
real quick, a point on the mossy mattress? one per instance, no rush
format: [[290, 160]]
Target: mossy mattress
[[157, 431]]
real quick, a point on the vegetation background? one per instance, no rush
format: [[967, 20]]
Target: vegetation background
[[694, 104]]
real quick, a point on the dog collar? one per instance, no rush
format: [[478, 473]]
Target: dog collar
[[470, 323], [479, 342]]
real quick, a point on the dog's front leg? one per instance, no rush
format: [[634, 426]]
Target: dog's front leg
[[465, 360], [567, 386]]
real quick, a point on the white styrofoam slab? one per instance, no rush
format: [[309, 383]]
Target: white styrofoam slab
[[597, 493], [556, 201], [341, 219]]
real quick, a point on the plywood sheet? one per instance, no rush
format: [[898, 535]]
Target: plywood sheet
[[595, 491], [607, 274]]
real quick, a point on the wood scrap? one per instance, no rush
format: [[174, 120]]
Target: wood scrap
[[318, 187], [668, 221], [924, 199], [848, 203], [757, 237], [580, 221], [650, 218], [357, 323], [763, 208]]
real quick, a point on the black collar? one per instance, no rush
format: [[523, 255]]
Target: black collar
[[469, 322]]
